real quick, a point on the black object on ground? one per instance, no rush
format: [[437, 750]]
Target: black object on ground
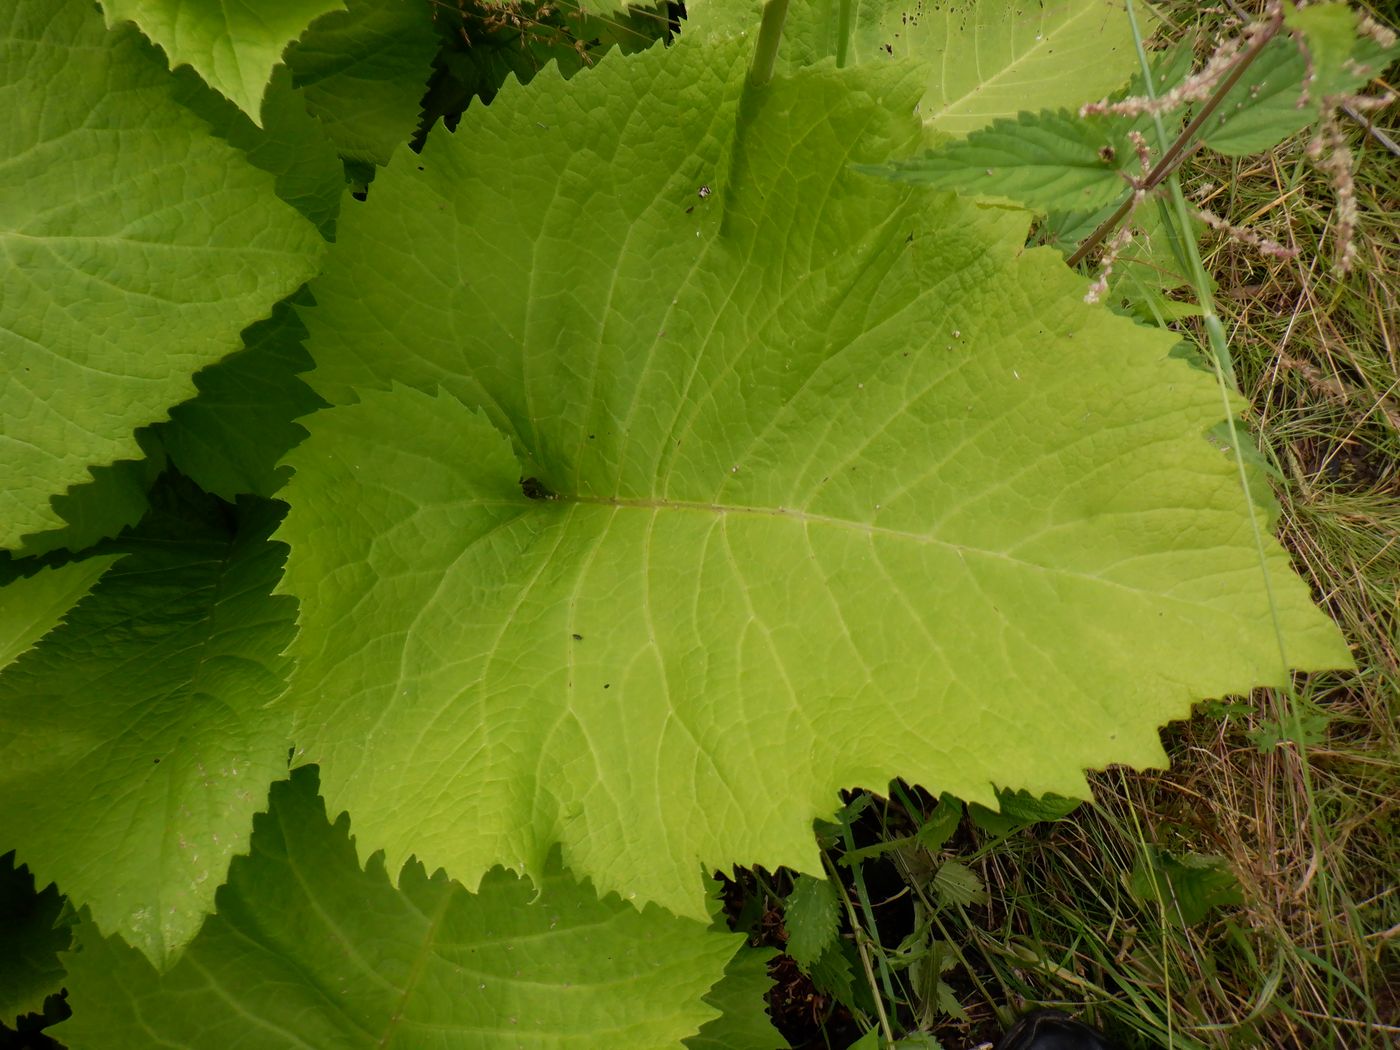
[[1052, 1030]]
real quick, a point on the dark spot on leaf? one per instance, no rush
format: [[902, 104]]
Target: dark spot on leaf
[[607, 685], [578, 637], [1107, 154], [534, 488]]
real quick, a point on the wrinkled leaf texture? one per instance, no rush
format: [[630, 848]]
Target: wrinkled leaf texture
[[850, 486]]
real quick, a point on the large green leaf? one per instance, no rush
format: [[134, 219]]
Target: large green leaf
[[363, 72], [309, 950], [136, 739], [233, 46], [137, 246], [848, 485], [986, 59]]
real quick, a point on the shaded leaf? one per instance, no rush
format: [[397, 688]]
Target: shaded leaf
[[231, 437], [33, 930], [32, 606], [309, 949], [1018, 809], [363, 72], [291, 145], [111, 499], [834, 975], [144, 216], [743, 1022], [1050, 159], [136, 739], [940, 825], [1306, 728]]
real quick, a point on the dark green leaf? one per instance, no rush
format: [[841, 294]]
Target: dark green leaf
[[33, 930]]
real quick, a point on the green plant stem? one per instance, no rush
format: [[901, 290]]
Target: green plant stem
[[843, 34], [1184, 145], [861, 946], [868, 910], [770, 35]]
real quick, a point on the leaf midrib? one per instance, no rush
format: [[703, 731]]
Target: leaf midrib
[[808, 518]]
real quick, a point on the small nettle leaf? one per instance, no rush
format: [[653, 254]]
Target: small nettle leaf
[[1018, 809], [834, 975], [137, 247], [1188, 886], [825, 453], [1051, 159], [137, 739], [811, 918], [985, 59], [33, 930], [232, 46], [941, 824], [310, 949], [1055, 162], [957, 885], [1285, 88], [32, 606], [1302, 727], [363, 72]]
